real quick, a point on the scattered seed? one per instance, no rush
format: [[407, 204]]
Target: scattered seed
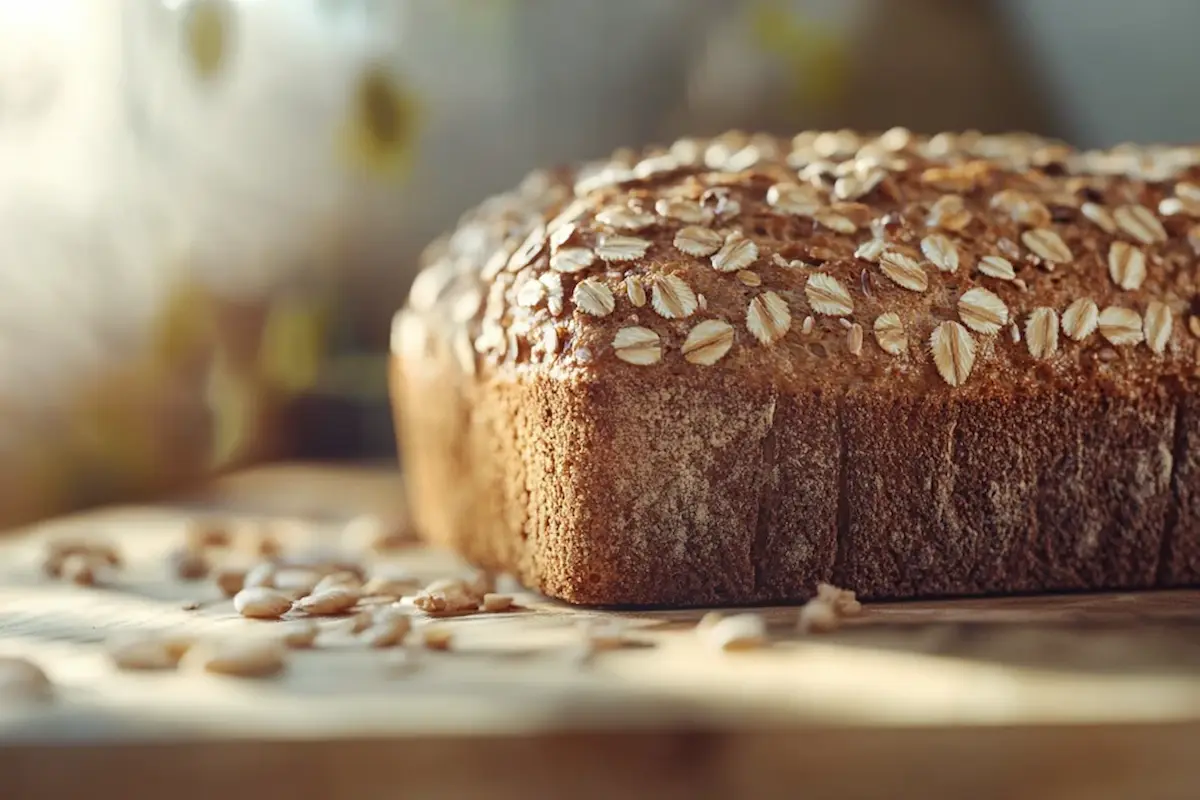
[[904, 271], [1047, 245], [1157, 326], [329, 602], [807, 326], [497, 602], [635, 291], [1126, 265], [697, 241], [594, 298], [21, 680], [854, 340], [737, 253], [768, 318], [941, 252], [871, 250], [300, 634], [242, 658], [259, 602], [389, 631], [889, 332], [818, 616], [836, 222], [791, 198], [949, 213], [953, 352], [262, 575], [672, 298], [688, 211], [637, 345], [708, 342], [394, 587], [737, 632], [1120, 325], [1080, 319], [437, 637], [982, 311], [826, 295], [749, 278], [1099, 215], [1041, 333], [624, 218], [296, 581], [572, 259], [621, 248], [1140, 223], [997, 267], [144, 654]]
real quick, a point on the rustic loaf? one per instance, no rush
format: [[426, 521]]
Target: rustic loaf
[[722, 371]]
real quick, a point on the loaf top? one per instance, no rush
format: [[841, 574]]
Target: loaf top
[[958, 262]]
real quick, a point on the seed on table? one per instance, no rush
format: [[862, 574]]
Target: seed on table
[[497, 602], [818, 615], [230, 580], [329, 602], [239, 658], [144, 654], [300, 581], [300, 634], [262, 575], [437, 637], [337, 580], [390, 587], [387, 632], [259, 602], [23, 680], [738, 632]]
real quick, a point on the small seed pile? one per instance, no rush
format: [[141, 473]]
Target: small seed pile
[[748, 631]]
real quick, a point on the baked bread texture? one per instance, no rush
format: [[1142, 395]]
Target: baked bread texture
[[722, 371]]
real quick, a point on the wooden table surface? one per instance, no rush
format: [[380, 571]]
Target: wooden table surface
[[1071, 696]]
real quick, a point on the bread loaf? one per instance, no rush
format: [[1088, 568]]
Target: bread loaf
[[723, 371]]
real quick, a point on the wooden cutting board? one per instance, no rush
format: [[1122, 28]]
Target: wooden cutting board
[[1070, 696]]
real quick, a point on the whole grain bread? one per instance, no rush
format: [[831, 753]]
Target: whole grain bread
[[723, 371]]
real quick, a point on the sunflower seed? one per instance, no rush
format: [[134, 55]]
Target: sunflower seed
[[854, 340], [531, 293], [238, 658], [637, 345], [328, 603], [949, 213], [259, 602], [145, 653]]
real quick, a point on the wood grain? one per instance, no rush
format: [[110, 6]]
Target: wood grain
[[1051, 697]]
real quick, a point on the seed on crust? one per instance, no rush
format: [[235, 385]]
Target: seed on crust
[[672, 297], [941, 252], [635, 291], [572, 260], [836, 222], [871, 250], [904, 271], [259, 602], [997, 267], [708, 342], [889, 332], [737, 253], [696, 241], [953, 352], [982, 311], [1157, 326], [1041, 333], [1100, 216], [1126, 265], [854, 340], [1140, 223], [1024, 209], [798, 199], [594, 298], [531, 293], [624, 218], [949, 213], [683, 210], [749, 278], [768, 318], [637, 345], [1080, 319], [1120, 325], [826, 295], [1047, 245]]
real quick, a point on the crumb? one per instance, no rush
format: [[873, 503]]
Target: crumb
[[843, 600], [819, 616]]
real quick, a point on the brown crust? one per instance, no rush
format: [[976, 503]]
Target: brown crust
[[607, 465]]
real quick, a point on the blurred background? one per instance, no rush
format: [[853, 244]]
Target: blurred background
[[210, 209]]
